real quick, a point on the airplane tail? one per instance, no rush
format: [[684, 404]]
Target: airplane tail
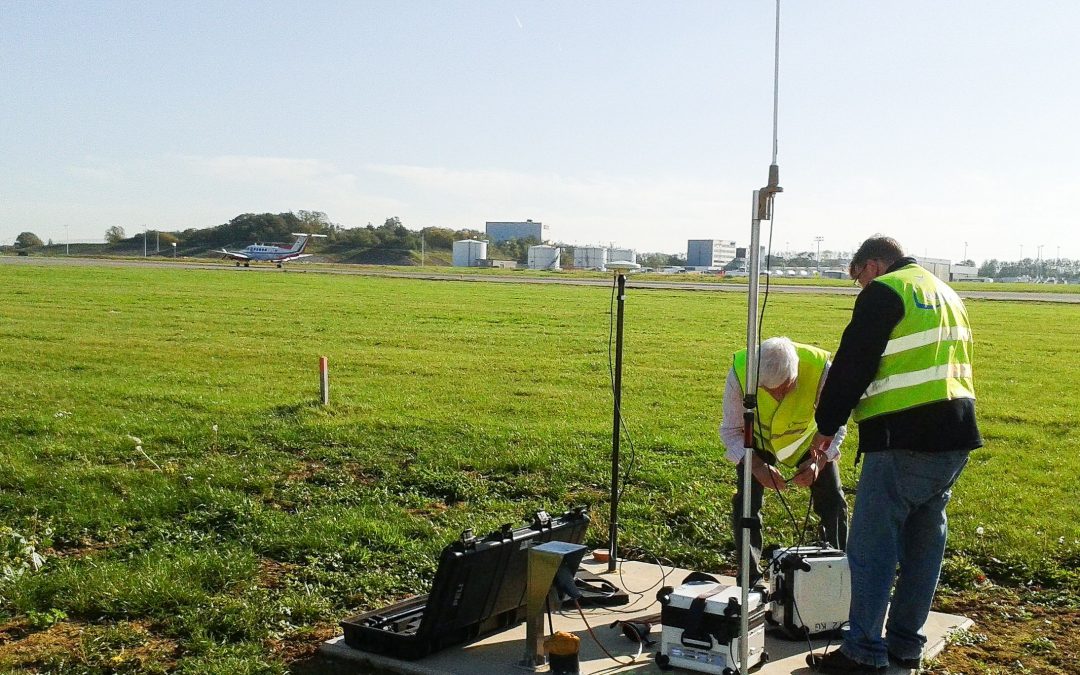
[[302, 239], [299, 244]]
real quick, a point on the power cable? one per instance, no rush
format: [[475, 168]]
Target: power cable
[[616, 659]]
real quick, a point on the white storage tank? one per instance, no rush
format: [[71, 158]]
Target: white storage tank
[[545, 257], [621, 254], [590, 257], [468, 251]]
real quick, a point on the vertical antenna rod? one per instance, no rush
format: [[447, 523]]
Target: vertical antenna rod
[[763, 201], [776, 82]]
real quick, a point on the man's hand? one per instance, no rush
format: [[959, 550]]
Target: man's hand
[[768, 476], [819, 446], [808, 471]]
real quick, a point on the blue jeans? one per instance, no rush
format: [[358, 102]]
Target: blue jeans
[[899, 519]]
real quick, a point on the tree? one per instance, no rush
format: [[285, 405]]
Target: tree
[[657, 260], [115, 234], [27, 239], [990, 268], [512, 249], [438, 237], [315, 222]]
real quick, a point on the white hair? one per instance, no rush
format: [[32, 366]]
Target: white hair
[[777, 362]]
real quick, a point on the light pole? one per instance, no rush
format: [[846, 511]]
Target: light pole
[[1038, 261], [157, 241], [818, 240], [144, 233], [174, 250], [67, 241], [965, 251]]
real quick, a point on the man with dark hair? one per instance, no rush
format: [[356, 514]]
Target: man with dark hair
[[903, 369]]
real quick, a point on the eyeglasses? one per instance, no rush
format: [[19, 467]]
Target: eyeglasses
[[855, 276]]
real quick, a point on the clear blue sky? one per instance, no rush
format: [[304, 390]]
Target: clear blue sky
[[639, 123]]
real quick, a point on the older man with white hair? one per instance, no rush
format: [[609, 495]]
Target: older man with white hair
[[790, 377]]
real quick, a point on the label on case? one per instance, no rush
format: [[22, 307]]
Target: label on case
[[697, 656]]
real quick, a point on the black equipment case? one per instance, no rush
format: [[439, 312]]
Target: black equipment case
[[479, 589]]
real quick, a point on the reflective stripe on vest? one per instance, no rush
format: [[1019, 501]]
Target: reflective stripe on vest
[[787, 427], [928, 356]]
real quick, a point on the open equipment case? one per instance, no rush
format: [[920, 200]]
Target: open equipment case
[[479, 589]]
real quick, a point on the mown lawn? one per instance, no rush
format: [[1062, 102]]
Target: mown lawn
[[161, 447]]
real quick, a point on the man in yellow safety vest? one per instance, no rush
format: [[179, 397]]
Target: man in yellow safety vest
[[790, 376], [904, 372]]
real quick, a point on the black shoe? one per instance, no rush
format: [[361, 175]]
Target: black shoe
[[905, 663], [839, 663]]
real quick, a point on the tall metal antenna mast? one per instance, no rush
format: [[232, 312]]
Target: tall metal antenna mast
[[762, 210]]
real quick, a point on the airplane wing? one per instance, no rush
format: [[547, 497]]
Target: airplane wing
[[294, 256], [233, 255]]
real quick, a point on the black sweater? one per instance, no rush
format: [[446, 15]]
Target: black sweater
[[938, 426]]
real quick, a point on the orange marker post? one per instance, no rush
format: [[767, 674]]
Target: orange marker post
[[324, 380]]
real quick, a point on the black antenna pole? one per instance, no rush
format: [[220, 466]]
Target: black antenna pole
[[613, 525]]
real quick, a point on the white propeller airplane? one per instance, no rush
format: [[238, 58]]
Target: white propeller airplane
[[274, 254]]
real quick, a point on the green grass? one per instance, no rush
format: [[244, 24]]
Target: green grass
[[252, 516]]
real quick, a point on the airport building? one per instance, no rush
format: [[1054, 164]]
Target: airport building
[[709, 252], [939, 267], [500, 231]]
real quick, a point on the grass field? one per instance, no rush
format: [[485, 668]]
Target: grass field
[[196, 511]]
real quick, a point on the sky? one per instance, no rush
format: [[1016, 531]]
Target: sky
[[951, 126]]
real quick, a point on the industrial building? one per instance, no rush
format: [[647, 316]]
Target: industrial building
[[468, 252], [500, 231], [964, 273], [590, 257], [545, 257], [939, 267], [709, 252]]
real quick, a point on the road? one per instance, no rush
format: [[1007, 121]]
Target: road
[[1066, 298]]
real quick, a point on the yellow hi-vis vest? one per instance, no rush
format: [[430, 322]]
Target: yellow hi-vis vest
[[786, 427], [928, 356]]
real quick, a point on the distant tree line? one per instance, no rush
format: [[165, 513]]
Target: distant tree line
[[1035, 268], [393, 236], [267, 228]]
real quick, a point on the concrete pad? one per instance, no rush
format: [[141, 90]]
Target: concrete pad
[[499, 654]]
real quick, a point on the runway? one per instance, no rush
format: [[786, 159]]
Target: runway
[[324, 268]]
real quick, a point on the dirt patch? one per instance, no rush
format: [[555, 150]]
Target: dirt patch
[[273, 574], [118, 648], [1015, 631], [304, 472]]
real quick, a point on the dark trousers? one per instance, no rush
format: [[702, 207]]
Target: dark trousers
[[827, 496]]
